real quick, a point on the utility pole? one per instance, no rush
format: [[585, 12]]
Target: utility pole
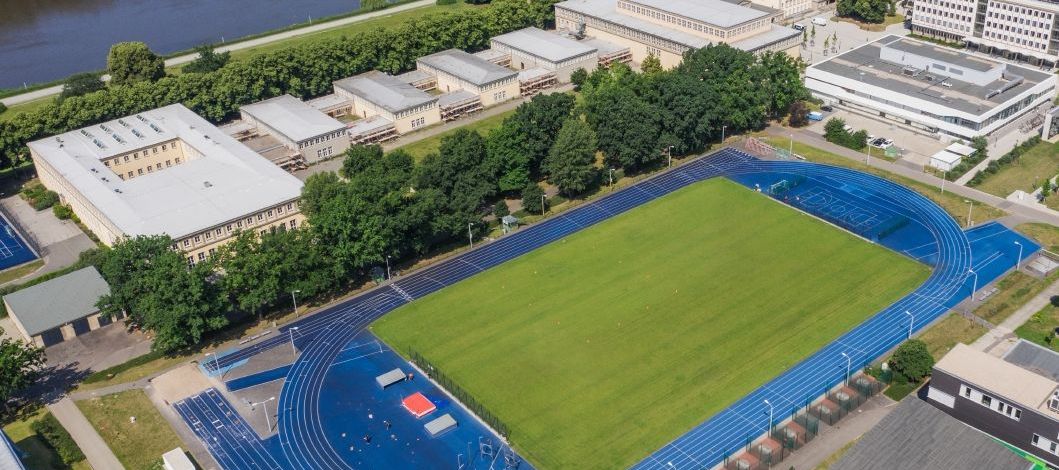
[[470, 234]]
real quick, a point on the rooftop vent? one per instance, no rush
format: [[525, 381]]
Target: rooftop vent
[[156, 129], [141, 118], [123, 123], [137, 133], [118, 138], [94, 170], [98, 143], [207, 184], [105, 128]]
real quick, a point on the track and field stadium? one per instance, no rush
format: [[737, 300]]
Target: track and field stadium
[[649, 332]]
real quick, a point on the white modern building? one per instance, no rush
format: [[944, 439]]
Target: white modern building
[[930, 87], [531, 48], [668, 28], [166, 171], [304, 130], [1024, 30]]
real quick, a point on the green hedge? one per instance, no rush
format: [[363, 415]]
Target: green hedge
[[1011, 157], [112, 371], [49, 429], [304, 70]]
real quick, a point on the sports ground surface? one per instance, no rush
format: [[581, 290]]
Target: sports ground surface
[[604, 346]]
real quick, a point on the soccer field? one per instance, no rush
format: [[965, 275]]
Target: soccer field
[[602, 347]]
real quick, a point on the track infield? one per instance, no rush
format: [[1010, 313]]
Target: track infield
[[602, 347]]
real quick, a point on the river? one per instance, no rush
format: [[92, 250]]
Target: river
[[46, 40]]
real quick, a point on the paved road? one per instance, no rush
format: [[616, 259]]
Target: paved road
[[95, 449], [1022, 212], [55, 90]]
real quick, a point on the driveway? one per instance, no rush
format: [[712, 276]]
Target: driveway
[[99, 349], [58, 242]]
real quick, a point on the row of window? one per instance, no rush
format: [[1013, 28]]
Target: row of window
[[943, 13], [325, 152], [991, 403], [626, 32], [419, 122], [321, 139], [150, 169], [135, 155], [968, 7], [945, 24], [1015, 40], [1017, 30], [220, 232], [203, 255], [689, 24], [1045, 444], [1018, 20], [500, 95], [416, 110], [1020, 10]]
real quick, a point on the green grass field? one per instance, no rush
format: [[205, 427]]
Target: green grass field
[[602, 347]]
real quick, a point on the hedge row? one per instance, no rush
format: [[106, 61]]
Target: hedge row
[[1011, 157], [49, 429]]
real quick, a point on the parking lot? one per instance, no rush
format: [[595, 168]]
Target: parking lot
[[848, 34], [915, 148]]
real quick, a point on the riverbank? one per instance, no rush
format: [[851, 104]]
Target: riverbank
[[246, 47]]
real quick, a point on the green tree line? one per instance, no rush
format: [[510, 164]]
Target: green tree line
[[303, 70]]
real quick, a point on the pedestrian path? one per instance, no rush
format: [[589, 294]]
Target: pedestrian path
[[95, 449], [999, 340]]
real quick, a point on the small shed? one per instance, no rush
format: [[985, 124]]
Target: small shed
[[59, 309], [945, 160], [176, 459], [441, 424], [509, 222], [960, 149], [390, 378]]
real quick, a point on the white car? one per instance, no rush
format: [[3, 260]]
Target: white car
[[820, 21]]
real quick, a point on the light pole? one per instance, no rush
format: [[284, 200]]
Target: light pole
[[669, 153], [722, 133], [943, 183], [849, 362], [1019, 259], [974, 287], [470, 235], [770, 415], [542, 204], [264, 407], [295, 299], [970, 206], [609, 185], [293, 350], [387, 267], [791, 151], [867, 160], [911, 321]]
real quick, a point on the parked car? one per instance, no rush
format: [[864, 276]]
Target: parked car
[[798, 26], [820, 21], [826, 108], [816, 116], [881, 143]]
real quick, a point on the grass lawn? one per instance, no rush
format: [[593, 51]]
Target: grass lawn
[[1027, 173], [41, 456], [16, 272], [1046, 235], [943, 335], [137, 445], [421, 148], [388, 21], [1015, 289], [1039, 327], [954, 204], [602, 347], [26, 107]]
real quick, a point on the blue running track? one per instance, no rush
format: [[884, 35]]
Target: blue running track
[[877, 209]]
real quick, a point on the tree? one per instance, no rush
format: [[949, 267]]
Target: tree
[[578, 78], [626, 126], [507, 157], [912, 360], [251, 278], [651, 64], [835, 130], [1046, 189], [207, 61], [358, 158], [81, 84], [538, 122], [500, 209], [798, 114], [130, 62], [571, 162], [869, 11], [20, 366], [533, 198]]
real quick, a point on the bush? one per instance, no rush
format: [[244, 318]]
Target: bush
[[3, 107], [39, 197], [500, 209], [446, 2], [912, 360], [58, 439], [531, 198], [836, 133], [62, 212]]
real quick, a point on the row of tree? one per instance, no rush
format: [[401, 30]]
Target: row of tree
[[304, 70], [868, 11]]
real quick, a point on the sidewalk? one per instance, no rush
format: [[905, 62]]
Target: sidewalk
[[1000, 339], [55, 90], [833, 438], [95, 449]]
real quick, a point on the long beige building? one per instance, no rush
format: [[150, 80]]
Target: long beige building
[[386, 106], [669, 28], [166, 171], [457, 70], [305, 131]]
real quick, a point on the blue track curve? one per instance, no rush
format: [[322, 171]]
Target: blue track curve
[[305, 445]]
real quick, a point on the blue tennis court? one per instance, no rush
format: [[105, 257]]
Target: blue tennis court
[[879, 210], [13, 248]]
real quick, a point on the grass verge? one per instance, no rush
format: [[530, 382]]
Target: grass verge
[[1027, 173], [887, 21], [39, 455], [138, 445], [1040, 328], [421, 148], [20, 271], [1014, 290], [618, 327], [943, 335], [1045, 235], [954, 204]]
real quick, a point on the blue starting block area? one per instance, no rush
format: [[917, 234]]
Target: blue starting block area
[[259, 378], [209, 365]]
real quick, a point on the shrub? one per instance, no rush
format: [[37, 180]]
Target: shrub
[[3, 107], [62, 212], [57, 438], [500, 209], [39, 197]]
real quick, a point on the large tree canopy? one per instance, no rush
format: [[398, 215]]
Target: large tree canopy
[[130, 62]]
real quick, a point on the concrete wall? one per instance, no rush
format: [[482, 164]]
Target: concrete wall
[[1018, 433], [499, 92]]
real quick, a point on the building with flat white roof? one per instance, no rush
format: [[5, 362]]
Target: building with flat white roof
[[166, 171], [1022, 30], [669, 28], [382, 96], [535, 48], [458, 70], [303, 129], [930, 87]]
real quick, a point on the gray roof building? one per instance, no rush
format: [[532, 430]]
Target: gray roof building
[[917, 436], [58, 301], [467, 67], [292, 118], [385, 91], [544, 45]]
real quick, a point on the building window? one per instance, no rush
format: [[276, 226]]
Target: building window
[[168, 163], [260, 217], [270, 213], [202, 256], [212, 251], [293, 223], [290, 206], [187, 243], [208, 235], [139, 171], [197, 239], [191, 261]]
